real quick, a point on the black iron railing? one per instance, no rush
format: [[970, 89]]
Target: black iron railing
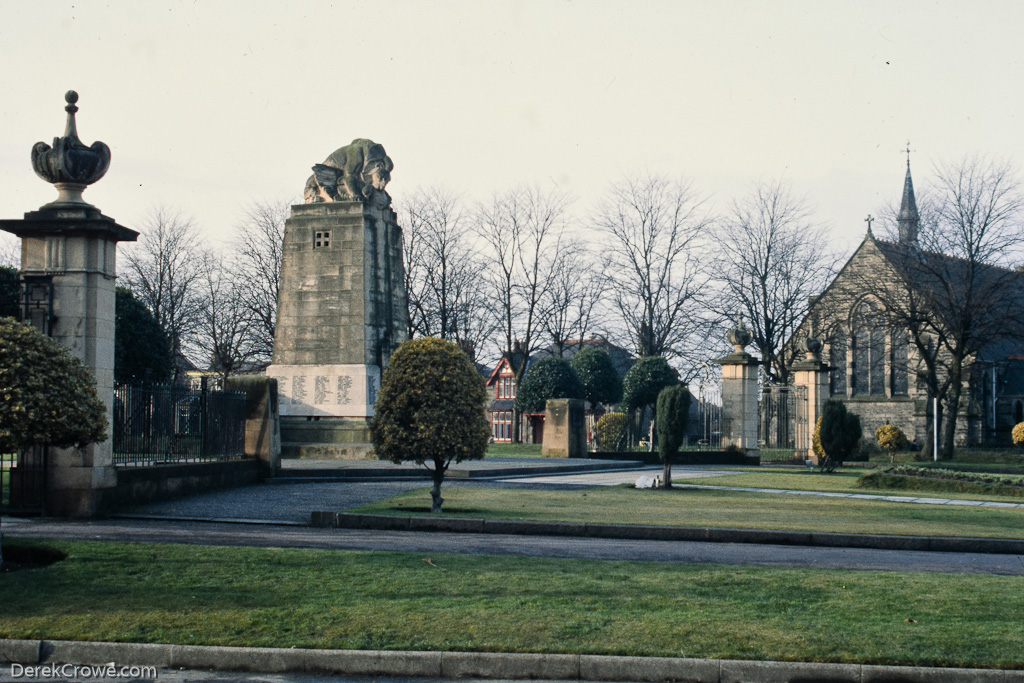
[[168, 424]]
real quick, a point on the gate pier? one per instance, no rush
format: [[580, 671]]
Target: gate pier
[[739, 395]]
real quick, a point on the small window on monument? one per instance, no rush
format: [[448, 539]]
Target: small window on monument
[[321, 239]]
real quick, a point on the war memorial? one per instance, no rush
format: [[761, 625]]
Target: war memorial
[[342, 306]]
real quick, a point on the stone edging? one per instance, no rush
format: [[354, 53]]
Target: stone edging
[[477, 664], [949, 544]]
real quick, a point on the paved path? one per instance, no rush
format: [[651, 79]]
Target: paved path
[[295, 536]]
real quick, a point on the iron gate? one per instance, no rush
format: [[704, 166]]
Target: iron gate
[[23, 482], [783, 421]]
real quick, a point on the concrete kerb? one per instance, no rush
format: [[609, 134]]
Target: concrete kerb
[[351, 520], [489, 665]]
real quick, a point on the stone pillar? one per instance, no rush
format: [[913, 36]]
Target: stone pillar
[[740, 395], [262, 419], [813, 374], [565, 429], [69, 244], [342, 307]]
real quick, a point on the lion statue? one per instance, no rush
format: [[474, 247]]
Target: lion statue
[[358, 171]]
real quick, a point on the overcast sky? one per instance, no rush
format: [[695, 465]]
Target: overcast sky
[[208, 106]]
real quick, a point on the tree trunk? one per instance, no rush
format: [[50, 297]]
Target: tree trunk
[[949, 429], [650, 433], [666, 477], [438, 473]]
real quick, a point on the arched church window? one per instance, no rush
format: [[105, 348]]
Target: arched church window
[[837, 360], [868, 340], [898, 363]]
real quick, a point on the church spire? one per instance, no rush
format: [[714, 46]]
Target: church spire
[[908, 218]]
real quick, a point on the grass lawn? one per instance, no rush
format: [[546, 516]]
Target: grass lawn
[[361, 600], [514, 450], [842, 481], [698, 508]]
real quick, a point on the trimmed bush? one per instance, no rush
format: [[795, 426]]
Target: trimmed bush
[[48, 396], [1018, 434], [601, 382], [891, 438], [645, 380], [546, 378], [430, 408], [673, 413], [839, 435], [611, 432]]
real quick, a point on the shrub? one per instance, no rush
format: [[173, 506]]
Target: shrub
[[840, 432], [546, 378], [645, 380], [142, 352], [643, 383], [1018, 434], [611, 432], [673, 413], [816, 441], [891, 438], [601, 382], [48, 396], [430, 408]]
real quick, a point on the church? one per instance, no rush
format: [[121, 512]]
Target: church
[[875, 367]]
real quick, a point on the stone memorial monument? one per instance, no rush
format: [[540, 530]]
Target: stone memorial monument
[[67, 269], [342, 307]]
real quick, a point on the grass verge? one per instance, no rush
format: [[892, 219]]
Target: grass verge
[[397, 601], [846, 480], [698, 508], [513, 450]]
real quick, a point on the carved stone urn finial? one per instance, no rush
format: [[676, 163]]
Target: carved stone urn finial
[[812, 346], [739, 336], [69, 164]]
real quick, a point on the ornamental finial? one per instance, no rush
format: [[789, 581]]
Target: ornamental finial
[[69, 164], [739, 336]]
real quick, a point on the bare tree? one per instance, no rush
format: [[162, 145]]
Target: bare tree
[[258, 264], [223, 333], [657, 230], [443, 277], [522, 230], [571, 303], [954, 285], [10, 250], [164, 269], [770, 260]]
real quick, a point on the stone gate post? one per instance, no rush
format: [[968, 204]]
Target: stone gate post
[[813, 374], [739, 395], [68, 253]]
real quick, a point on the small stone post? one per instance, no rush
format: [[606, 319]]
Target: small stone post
[[68, 251], [813, 374], [565, 429], [740, 395]]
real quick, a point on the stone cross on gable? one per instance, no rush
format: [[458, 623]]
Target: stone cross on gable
[[869, 220]]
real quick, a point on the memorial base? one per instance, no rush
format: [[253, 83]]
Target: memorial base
[[326, 438]]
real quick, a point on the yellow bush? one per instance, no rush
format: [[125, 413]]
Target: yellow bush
[[891, 438], [816, 441], [611, 432], [1018, 434]]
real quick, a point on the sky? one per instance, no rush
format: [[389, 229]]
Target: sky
[[211, 106]]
